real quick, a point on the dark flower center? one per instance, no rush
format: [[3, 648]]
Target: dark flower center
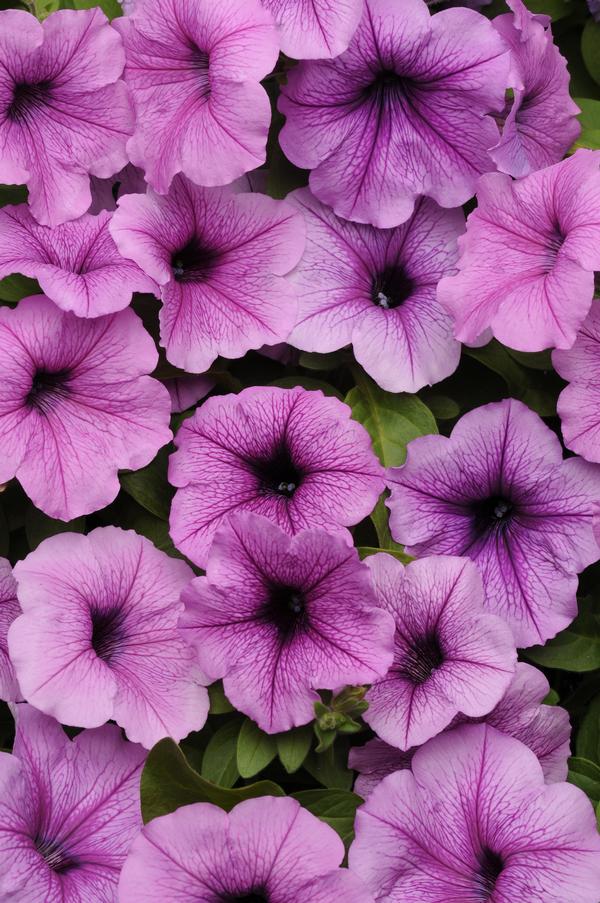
[[107, 633], [285, 608], [47, 388], [422, 658], [200, 64], [278, 474], [55, 856], [491, 865], [494, 513], [194, 262], [386, 82], [391, 288], [253, 897], [27, 98]]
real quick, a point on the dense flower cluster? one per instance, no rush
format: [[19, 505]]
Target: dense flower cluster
[[240, 243]]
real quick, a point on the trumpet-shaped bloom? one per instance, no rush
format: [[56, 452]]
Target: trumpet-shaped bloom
[[403, 112], [76, 404], [527, 260], [578, 405], [279, 617], [69, 810], [499, 492], [450, 655], [65, 112], [98, 635], [376, 289], [474, 820], [291, 455], [77, 264], [9, 609], [315, 29], [219, 257], [193, 68], [541, 120]]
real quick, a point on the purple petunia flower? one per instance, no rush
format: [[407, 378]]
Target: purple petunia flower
[[545, 729], [541, 120], [69, 810], [499, 491], [219, 257], [594, 8], [279, 617], [577, 405], [98, 635], [193, 68], [402, 112], [76, 405], [315, 29], [291, 455], [266, 849], [9, 609], [450, 655], [527, 261], [65, 112], [77, 264], [376, 289], [474, 820]]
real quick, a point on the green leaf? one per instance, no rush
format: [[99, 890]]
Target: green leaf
[[590, 48], [153, 528], [329, 768], [533, 360], [530, 388], [169, 782], [255, 749], [585, 775], [381, 521], [441, 406], [552, 698], [149, 486], [219, 763], [219, 704], [590, 123], [13, 194], [38, 526], [556, 9], [15, 287], [337, 808], [365, 551], [312, 360], [111, 8], [587, 745], [43, 8], [307, 382], [294, 746], [575, 649], [392, 420]]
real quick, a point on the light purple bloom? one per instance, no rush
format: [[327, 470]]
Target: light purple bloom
[[98, 636], [474, 820], [541, 121], [69, 810], [106, 192], [594, 8], [219, 257], [268, 849], [499, 491], [76, 404], [279, 617], [579, 404], [402, 112], [527, 260], [545, 729], [376, 289], [315, 29], [66, 115], [291, 455], [76, 264], [9, 609], [194, 67], [450, 655], [186, 391]]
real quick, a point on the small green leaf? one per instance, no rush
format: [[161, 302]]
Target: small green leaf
[[588, 737], [312, 360], [575, 649], [337, 808], [149, 486], [329, 768], [441, 406], [38, 526], [533, 360], [585, 775], [590, 124], [111, 8], [381, 521], [552, 698], [169, 782], [255, 749], [294, 746], [219, 704], [219, 763], [365, 551], [15, 287], [590, 48]]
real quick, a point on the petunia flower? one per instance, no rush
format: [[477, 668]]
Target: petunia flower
[[219, 257], [577, 405], [291, 455], [376, 289], [98, 636], [267, 849], [474, 820], [9, 609], [193, 68], [69, 810], [527, 260], [65, 112], [403, 112], [77, 264], [545, 729], [499, 492], [76, 404], [279, 617], [541, 120], [450, 654], [315, 29]]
